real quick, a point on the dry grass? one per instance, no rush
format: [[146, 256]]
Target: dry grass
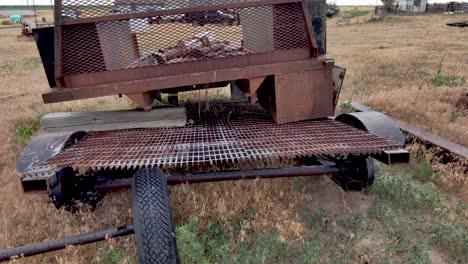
[[386, 62], [390, 65], [47, 14], [30, 218]]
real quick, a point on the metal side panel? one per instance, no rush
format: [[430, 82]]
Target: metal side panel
[[40, 149], [375, 123]]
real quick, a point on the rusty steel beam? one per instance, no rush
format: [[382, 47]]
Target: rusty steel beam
[[58, 244], [136, 86], [58, 45], [166, 71]]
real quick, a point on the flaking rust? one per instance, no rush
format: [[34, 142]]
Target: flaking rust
[[268, 49]]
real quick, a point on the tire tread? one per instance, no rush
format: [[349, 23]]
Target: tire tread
[[152, 218]]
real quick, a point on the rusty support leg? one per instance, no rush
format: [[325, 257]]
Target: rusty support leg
[[144, 100], [173, 98], [250, 86], [236, 92]]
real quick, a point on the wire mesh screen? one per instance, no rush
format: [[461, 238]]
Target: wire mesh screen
[[73, 9], [174, 37]]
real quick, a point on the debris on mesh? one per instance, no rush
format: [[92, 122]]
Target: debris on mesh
[[203, 45], [127, 34]]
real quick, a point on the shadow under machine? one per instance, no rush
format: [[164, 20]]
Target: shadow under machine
[[279, 123]]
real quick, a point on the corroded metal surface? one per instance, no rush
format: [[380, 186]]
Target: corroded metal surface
[[103, 35], [132, 47], [218, 133]]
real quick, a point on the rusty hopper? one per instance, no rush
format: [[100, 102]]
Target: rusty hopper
[[271, 52], [267, 49]]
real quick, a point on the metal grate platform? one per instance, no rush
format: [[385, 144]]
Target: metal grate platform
[[217, 133]]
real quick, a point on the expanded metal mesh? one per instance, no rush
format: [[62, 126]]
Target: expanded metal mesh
[[74, 9], [107, 44], [218, 133]]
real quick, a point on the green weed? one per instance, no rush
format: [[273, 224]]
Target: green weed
[[461, 207], [400, 234], [313, 251], [355, 222], [375, 19], [452, 238], [214, 246], [23, 132], [189, 248], [421, 169], [347, 107], [239, 219], [450, 80], [23, 64], [453, 115], [215, 241], [403, 192], [114, 256], [413, 252], [355, 13], [263, 248], [317, 218]]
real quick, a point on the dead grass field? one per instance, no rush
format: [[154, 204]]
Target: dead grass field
[[405, 218], [47, 14], [393, 66]]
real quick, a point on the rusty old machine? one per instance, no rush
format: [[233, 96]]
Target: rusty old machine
[[279, 124]]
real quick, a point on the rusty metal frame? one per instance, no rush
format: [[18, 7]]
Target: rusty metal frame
[[58, 45], [139, 80], [299, 74], [157, 83], [167, 70]]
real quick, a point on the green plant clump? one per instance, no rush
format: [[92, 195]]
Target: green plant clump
[[403, 192], [450, 80], [355, 13], [24, 132], [347, 107]]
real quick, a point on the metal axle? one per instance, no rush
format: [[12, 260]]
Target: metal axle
[[237, 175], [53, 245], [48, 246]]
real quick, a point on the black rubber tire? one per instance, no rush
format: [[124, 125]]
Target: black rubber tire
[[154, 233]]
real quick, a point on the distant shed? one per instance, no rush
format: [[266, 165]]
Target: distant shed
[[414, 6], [16, 19], [23, 13]]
